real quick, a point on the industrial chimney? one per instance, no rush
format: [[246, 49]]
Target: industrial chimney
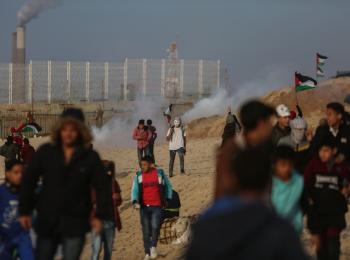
[[18, 71], [21, 53]]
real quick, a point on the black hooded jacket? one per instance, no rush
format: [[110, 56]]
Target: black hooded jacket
[[63, 200], [247, 233]]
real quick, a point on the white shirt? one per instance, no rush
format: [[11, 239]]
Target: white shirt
[[177, 141]]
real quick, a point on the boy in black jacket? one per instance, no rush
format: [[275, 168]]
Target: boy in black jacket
[[326, 186]]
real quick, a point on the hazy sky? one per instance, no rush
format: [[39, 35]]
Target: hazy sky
[[252, 38]]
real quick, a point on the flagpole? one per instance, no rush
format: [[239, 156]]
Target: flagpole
[[295, 91]]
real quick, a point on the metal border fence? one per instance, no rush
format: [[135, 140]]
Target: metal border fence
[[74, 82]]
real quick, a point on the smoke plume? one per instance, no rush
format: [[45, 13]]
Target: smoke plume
[[33, 8], [217, 103], [118, 131]]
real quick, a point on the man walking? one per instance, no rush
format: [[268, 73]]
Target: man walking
[[153, 131], [68, 168], [142, 136], [177, 144], [150, 191]]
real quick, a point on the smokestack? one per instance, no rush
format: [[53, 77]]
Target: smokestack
[[21, 54], [14, 47]]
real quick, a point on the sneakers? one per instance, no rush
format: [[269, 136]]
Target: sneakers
[[154, 253], [147, 257]]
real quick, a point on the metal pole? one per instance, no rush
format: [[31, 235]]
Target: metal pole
[[68, 82], [218, 72], [182, 65], [144, 76], [10, 82], [200, 77], [49, 86], [30, 82], [125, 79], [162, 79], [106, 80], [87, 81]]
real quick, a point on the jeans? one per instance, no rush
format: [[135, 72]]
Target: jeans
[[107, 238], [150, 221], [142, 153], [150, 151], [71, 248], [21, 245], [181, 153]]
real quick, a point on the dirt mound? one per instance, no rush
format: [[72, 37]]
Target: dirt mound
[[312, 103]]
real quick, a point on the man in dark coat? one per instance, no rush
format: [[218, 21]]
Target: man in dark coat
[[68, 168]]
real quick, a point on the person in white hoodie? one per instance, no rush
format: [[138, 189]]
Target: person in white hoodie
[[177, 144]]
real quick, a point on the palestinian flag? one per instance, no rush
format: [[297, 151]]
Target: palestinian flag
[[320, 59], [320, 72], [303, 82]]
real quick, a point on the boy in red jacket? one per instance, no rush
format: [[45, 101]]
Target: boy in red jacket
[[326, 184]]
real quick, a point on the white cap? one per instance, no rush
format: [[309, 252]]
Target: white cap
[[298, 123], [282, 110]]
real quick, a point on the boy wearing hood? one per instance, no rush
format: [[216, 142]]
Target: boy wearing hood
[[177, 145], [298, 139]]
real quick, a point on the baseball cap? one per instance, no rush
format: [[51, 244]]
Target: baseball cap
[[282, 110]]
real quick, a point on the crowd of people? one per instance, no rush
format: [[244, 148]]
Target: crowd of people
[[268, 178]]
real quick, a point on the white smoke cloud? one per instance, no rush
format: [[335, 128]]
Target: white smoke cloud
[[33, 8], [118, 131], [217, 103]]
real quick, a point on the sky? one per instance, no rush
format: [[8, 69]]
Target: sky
[[254, 39]]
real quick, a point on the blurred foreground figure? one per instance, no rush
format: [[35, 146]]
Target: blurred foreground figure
[[256, 119], [238, 225], [68, 168]]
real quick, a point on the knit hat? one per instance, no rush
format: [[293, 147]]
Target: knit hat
[[298, 123], [75, 113]]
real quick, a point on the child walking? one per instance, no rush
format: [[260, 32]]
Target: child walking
[[326, 182], [113, 221], [287, 188], [14, 240], [150, 191]]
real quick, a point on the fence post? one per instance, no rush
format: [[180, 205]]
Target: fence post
[[200, 77], [30, 82], [49, 90], [125, 86], [144, 77], [87, 81], [68, 81], [10, 82], [182, 65], [106, 80], [162, 79], [218, 79]]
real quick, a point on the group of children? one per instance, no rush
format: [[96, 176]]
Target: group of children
[[316, 183]]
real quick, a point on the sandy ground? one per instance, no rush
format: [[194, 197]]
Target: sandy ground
[[195, 189]]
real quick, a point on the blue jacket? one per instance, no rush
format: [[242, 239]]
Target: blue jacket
[[287, 199], [12, 235], [166, 190]]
